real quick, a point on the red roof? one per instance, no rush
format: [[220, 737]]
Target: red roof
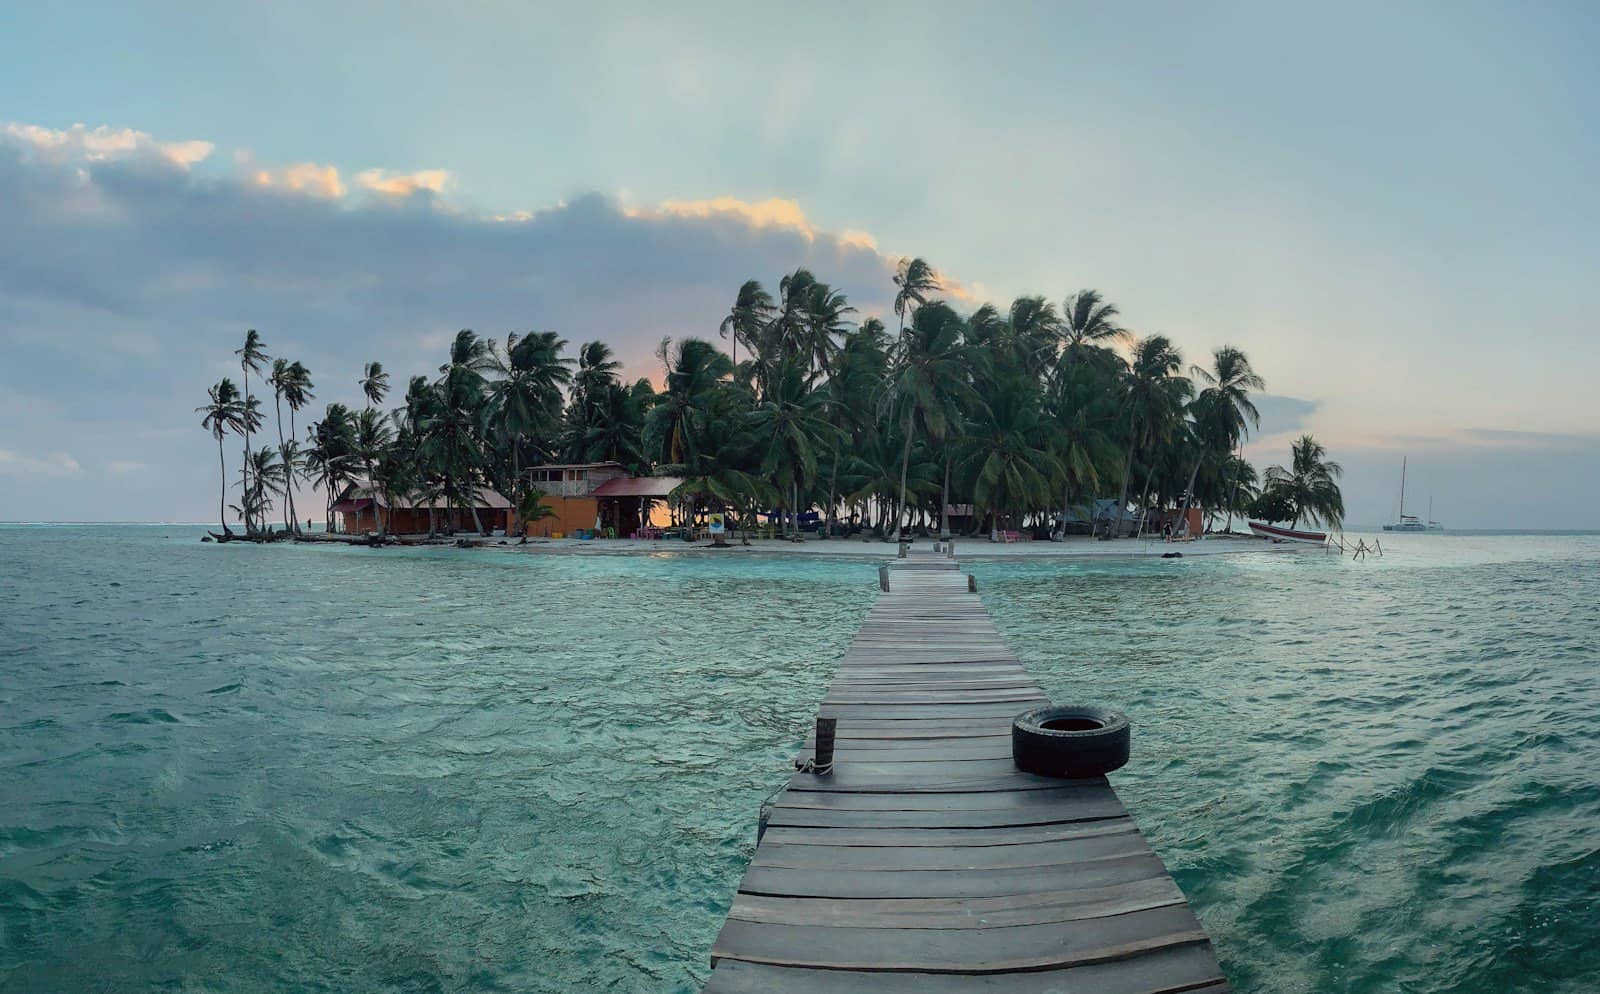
[[638, 486]]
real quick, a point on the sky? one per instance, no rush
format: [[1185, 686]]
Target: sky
[[1391, 208]]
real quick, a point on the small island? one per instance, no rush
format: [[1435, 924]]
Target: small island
[[1032, 423]]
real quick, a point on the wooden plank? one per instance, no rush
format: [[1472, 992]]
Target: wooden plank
[[992, 912], [1052, 853], [1004, 950], [975, 837], [1081, 795], [859, 884], [1165, 971]]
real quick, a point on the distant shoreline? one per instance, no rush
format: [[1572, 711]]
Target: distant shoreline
[[1349, 530]]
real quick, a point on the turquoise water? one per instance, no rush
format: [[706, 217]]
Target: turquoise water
[[328, 769]]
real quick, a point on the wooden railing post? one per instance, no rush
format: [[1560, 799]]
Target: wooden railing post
[[822, 764], [883, 578]]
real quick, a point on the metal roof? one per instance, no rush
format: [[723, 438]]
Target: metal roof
[[486, 498], [638, 486]]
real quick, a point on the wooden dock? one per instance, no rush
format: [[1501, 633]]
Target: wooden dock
[[926, 862]]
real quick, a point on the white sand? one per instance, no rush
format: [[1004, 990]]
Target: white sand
[[966, 548]]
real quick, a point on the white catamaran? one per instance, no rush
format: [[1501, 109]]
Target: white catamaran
[[1410, 522]]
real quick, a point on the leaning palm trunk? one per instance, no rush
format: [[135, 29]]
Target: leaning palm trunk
[[288, 475], [944, 501], [905, 466], [222, 501], [1144, 500], [1233, 492], [288, 471], [472, 503], [249, 528], [1122, 502]]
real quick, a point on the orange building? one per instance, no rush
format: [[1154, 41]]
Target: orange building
[[586, 496]]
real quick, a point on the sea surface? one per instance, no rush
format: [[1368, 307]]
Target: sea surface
[[305, 769]]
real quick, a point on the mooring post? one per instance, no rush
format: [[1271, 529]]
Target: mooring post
[[822, 764], [950, 549], [903, 547], [972, 584], [883, 578]]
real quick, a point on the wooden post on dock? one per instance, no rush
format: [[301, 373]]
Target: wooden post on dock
[[972, 584], [904, 546], [883, 578], [822, 762], [950, 549]]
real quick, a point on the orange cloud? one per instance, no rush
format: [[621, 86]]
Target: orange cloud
[[403, 184], [303, 177], [774, 212], [103, 143], [858, 239]]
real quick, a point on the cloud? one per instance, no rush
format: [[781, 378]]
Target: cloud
[[403, 184], [310, 178], [100, 144], [134, 275], [1525, 439], [774, 212], [54, 464], [1282, 415]]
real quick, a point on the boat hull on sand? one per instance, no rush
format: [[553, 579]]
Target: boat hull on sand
[[1275, 534]]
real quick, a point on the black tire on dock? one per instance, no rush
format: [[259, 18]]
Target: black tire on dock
[[1072, 741]]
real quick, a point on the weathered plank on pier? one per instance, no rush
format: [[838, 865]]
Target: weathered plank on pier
[[926, 862]]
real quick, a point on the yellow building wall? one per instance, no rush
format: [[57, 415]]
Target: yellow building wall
[[572, 513]]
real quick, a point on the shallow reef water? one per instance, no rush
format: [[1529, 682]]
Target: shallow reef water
[[305, 768]]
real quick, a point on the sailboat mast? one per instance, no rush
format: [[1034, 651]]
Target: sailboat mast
[[1402, 488]]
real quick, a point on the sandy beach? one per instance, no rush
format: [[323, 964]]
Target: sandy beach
[[1077, 547]]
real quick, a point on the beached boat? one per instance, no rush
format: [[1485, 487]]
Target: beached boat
[[1275, 534], [1410, 522]]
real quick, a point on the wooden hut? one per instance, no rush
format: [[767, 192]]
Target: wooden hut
[[363, 509]]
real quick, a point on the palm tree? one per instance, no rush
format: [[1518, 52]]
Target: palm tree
[[751, 314], [277, 378], [1310, 485], [527, 399], [929, 381], [328, 456], [532, 508], [1088, 328], [825, 323], [1153, 401], [1034, 329], [1009, 448], [251, 356], [372, 437], [1225, 404], [296, 387], [1083, 406], [676, 422], [222, 415], [374, 383], [915, 281], [259, 483], [793, 420], [596, 370]]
